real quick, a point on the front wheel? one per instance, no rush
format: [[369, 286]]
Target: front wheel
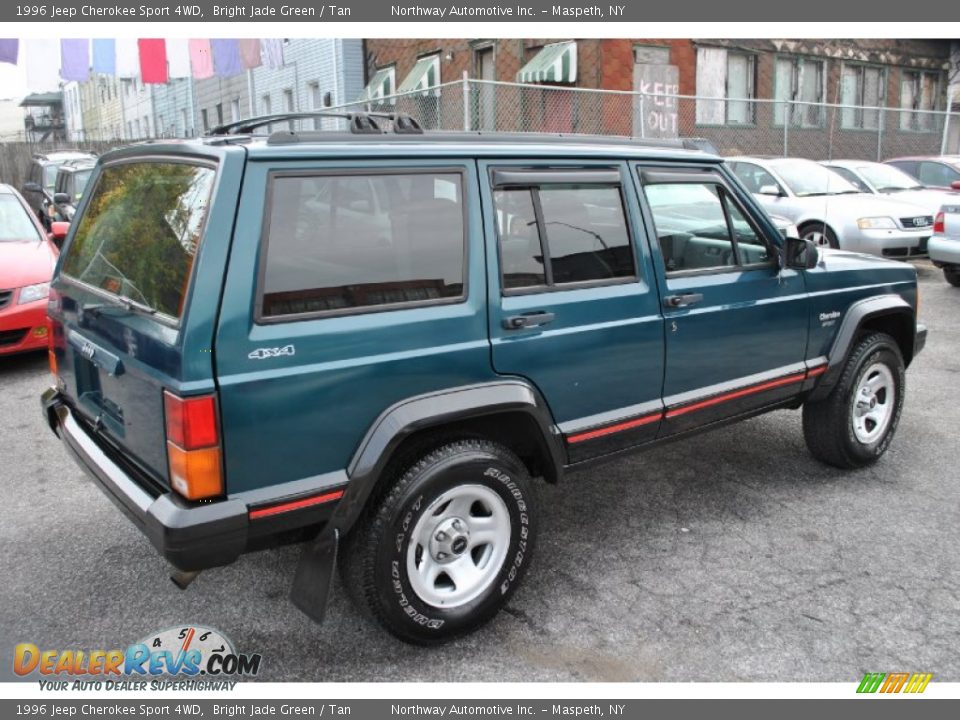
[[445, 548], [854, 425], [820, 235], [951, 274]]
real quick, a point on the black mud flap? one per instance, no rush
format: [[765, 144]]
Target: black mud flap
[[314, 579]]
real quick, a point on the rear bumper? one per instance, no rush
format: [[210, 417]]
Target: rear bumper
[[191, 536], [944, 250]]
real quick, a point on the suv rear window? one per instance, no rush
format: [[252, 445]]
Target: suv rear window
[[140, 232], [344, 242]]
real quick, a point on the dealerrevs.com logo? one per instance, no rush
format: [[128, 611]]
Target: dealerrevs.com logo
[[189, 657], [887, 683]]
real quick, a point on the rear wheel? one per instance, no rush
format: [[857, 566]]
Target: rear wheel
[[445, 547], [854, 425], [952, 274], [820, 235]]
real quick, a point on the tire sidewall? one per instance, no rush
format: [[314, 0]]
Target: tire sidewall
[[826, 232], [395, 595], [884, 353]]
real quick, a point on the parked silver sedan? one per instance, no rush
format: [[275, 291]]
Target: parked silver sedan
[[830, 211], [945, 243], [876, 178]]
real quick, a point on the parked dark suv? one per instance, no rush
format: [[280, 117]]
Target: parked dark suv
[[41, 181], [380, 342], [72, 178]]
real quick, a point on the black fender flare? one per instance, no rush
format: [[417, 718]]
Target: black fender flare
[[313, 580], [404, 418], [857, 314]]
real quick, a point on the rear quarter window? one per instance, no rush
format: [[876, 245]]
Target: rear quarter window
[[140, 232], [361, 242]]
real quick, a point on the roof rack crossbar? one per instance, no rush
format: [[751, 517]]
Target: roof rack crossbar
[[360, 122]]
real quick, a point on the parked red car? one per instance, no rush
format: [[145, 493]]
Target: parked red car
[[27, 257]]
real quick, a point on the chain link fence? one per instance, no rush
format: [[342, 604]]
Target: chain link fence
[[818, 131]]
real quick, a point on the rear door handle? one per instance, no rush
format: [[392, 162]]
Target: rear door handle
[[683, 299], [529, 320]]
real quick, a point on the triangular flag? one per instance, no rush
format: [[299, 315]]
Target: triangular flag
[[272, 53], [226, 57], [42, 61], [250, 53], [178, 57], [128, 58], [9, 49], [201, 60], [75, 60], [153, 61], [105, 56]]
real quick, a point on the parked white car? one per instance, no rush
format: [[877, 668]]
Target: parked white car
[[830, 211], [876, 178], [945, 243]]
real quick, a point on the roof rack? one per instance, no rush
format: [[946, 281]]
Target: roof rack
[[361, 123]]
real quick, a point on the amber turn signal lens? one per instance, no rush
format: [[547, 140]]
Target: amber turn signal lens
[[195, 474]]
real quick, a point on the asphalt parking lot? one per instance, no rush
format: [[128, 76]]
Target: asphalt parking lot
[[734, 556]]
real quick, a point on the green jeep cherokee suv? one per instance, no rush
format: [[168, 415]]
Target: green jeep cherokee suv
[[379, 341]]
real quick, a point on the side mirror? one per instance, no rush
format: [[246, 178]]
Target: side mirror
[[955, 185], [770, 190], [801, 254], [59, 230], [61, 198], [32, 187]]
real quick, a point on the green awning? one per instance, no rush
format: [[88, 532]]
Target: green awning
[[556, 62], [380, 85], [425, 75]]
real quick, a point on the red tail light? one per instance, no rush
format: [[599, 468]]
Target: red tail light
[[193, 446], [939, 223]]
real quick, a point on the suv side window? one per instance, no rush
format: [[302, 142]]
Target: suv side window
[[699, 227], [362, 242], [557, 234]]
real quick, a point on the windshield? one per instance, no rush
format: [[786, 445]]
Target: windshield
[[806, 178], [887, 178], [80, 179], [139, 234], [15, 223]]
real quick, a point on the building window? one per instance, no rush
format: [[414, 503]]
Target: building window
[[146, 126], [919, 91], [136, 129], [725, 74], [288, 105], [219, 113], [316, 102], [861, 87], [183, 123], [265, 104], [205, 119], [800, 82], [235, 110]]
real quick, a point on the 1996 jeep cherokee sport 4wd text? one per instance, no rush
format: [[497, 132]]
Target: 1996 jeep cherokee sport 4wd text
[[377, 343]]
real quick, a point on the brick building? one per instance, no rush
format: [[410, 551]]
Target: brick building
[[731, 79]]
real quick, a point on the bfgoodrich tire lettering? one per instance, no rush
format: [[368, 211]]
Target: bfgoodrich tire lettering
[[871, 386], [398, 534]]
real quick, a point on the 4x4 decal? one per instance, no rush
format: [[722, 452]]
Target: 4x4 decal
[[264, 353]]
